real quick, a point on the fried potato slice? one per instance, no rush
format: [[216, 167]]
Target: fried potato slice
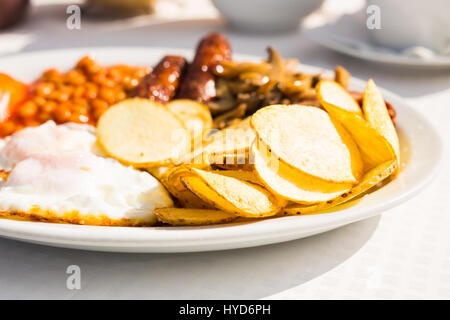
[[193, 217], [234, 167], [250, 176], [142, 133], [233, 140], [196, 116], [292, 184], [376, 113], [370, 179], [244, 175], [232, 195], [374, 148], [332, 93], [177, 189], [306, 139], [235, 161]]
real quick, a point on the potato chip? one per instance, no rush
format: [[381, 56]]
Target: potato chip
[[248, 176], [235, 139], [193, 217], [234, 167], [306, 139], [292, 184], [196, 116], [376, 113], [237, 160], [374, 148], [332, 93], [370, 179], [232, 195], [175, 174], [142, 133], [185, 197], [170, 178]]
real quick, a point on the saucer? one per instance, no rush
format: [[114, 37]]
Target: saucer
[[348, 35]]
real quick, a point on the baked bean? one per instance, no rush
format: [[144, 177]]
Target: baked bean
[[45, 88], [28, 109], [91, 91], [63, 113], [48, 107], [78, 92], [120, 95], [107, 94], [80, 95], [44, 117], [39, 101], [52, 75], [75, 77], [7, 128], [99, 104]]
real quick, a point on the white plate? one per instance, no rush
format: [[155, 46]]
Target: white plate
[[421, 144], [348, 35]]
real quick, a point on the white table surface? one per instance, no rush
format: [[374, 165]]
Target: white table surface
[[402, 254]]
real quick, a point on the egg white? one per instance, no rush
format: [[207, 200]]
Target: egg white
[[59, 173]]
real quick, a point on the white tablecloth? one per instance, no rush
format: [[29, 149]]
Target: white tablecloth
[[403, 253]]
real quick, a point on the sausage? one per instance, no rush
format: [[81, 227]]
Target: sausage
[[161, 85], [199, 83]]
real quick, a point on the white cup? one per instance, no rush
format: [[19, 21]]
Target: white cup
[[406, 24], [266, 15]]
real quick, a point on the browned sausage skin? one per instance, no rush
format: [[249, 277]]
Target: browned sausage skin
[[161, 85], [199, 83]]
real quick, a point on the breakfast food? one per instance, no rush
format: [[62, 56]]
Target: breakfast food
[[209, 142], [193, 217], [306, 139], [292, 184], [331, 93], [199, 82], [370, 179], [374, 148], [80, 95], [12, 93], [377, 115], [231, 145], [59, 174], [143, 133], [232, 195], [161, 84], [195, 116]]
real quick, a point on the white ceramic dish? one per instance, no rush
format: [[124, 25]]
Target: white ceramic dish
[[265, 15], [349, 35], [421, 145]]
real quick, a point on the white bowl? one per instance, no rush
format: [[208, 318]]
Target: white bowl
[[266, 15]]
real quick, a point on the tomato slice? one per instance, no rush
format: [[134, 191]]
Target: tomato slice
[[12, 93]]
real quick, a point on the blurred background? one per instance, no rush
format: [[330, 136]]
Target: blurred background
[[409, 41]]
